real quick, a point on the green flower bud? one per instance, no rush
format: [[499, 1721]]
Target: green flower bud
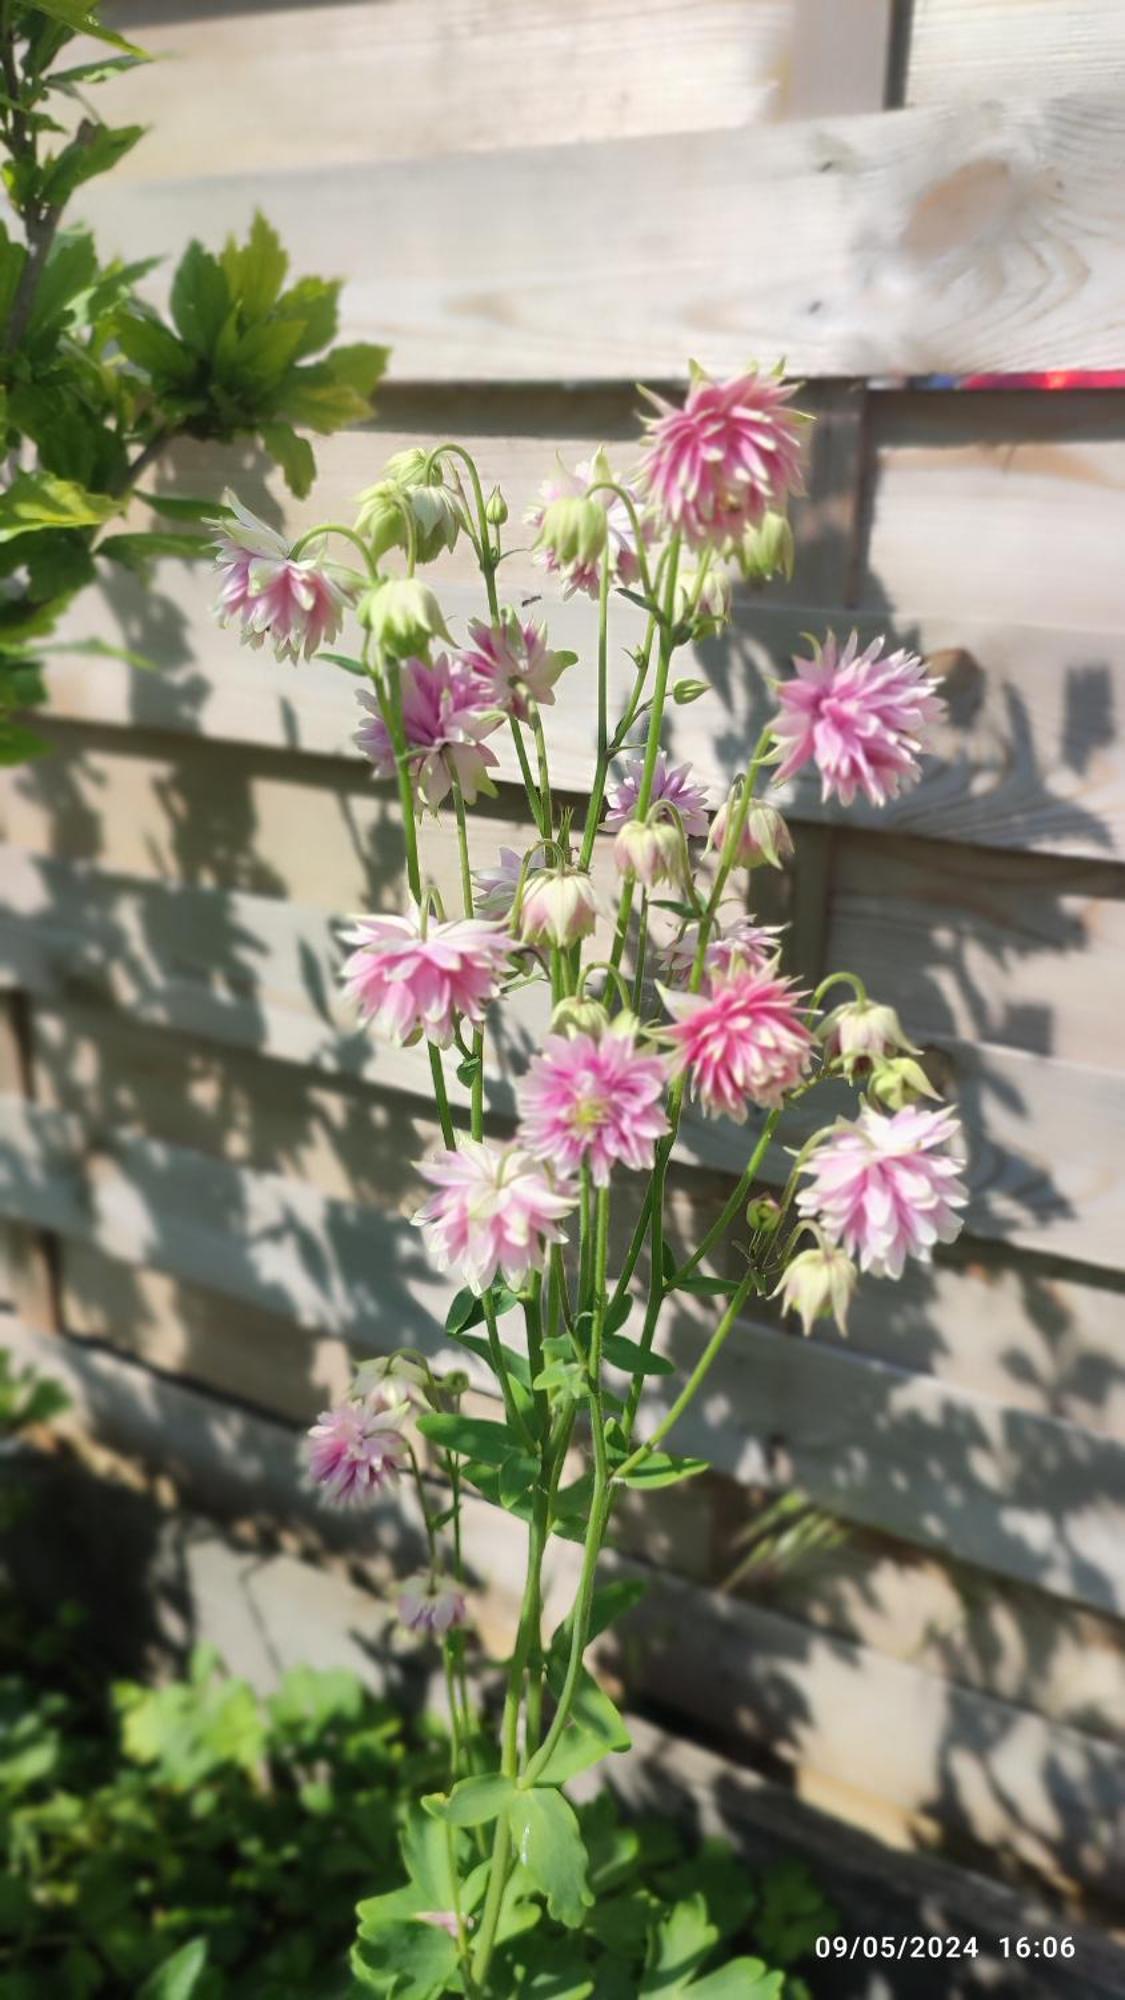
[[899, 1082], [684, 692], [579, 1017], [767, 550], [496, 508], [409, 483], [573, 529], [402, 615]]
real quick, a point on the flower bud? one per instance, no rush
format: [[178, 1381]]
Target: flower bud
[[394, 1374], [687, 691], [898, 1082], [410, 484], [496, 508], [573, 530], [651, 849], [763, 1214], [559, 906], [432, 1605], [764, 837], [403, 615], [819, 1284], [767, 550], [862, 1032], [576, 1016], [704, 610]]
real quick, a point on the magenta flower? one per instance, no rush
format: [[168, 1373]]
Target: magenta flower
[[675, 784], [496, 1210], [432, 1605], [297, 605], [512, 665], [621, 540], [408, 982], [861, 718], [713, 467], [356, 1449], [742, 1043], [739, 942], [594, 1100], [887, 1188], [446, 715]]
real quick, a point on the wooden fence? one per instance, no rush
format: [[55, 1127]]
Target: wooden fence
[[206, 1167]]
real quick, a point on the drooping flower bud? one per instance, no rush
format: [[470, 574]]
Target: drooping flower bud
[[767, 550], [573, 531], [559, 906], [411, 485], [575, 1016], [764, 837], [403, 615], [819, 1284], [432, 1605], [651, 849], [704, 610], [863, 1032], [899, 1082]]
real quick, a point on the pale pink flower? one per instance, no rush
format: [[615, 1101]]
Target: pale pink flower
[[739, 942], [495, 889], [513, 665], [742, 1043], [764, 836], [621, 541], [675, 784], [445, 717], [357, 1448], [862, 1032], [297, 605], [651, 849], [887, 1187], [861, 718], [819, 1284], [496, 1211], [559, 906], [594, 1100], [433, 1605], [714, 466], [408, 982]]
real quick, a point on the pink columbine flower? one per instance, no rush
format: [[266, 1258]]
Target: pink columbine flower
[[739, 942], [764, 836], [513, 665], [887, 1188], [297, 605], [496, 1210], [357, 1448], [675, 784], [446, 715], [409, 982], [432, 1605], [861, 718], [713, 467], [621, 541], [742, 1043], [495, 889], [594, 1100], [819, 1284], [652, 849], [559, 906]]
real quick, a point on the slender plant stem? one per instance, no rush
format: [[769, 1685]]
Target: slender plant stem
[[731, 1207], [695, 1380]]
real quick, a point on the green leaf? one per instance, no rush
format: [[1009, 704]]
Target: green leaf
[[473, 1802], [468, 1310], [70, 269], [518, 1475], [617, 1314], [255, 271], [315, 302], [610, 1602], [93, 72], [94, 150], [13, 257], [661, 1470], [549, 1844], [594, 1729], [82, 17], [410, 1959], [471, 1437], [706, 1287], [740, 1979], [139, 551], [318, 400], [36, 501], [200, 299], [360, 366], [174, 508], [292, 453], [179, 1977], [149, 344], [633, 1358]]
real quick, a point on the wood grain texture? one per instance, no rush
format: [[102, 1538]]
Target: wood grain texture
[[944, 1756], [1005, 48], [458, 76], [932, 1464], [947, 238]]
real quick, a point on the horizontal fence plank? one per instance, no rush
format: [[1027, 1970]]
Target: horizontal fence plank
[[408, 82], [263, 974], [958, 1471], [941, 1755], [1005, 48], [946, 238]]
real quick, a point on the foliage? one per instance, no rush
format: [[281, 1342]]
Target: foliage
[[208, 1843], [95, 382]]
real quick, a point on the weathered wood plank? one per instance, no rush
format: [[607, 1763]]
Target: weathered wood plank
[[1005, 48], [940, 1753], [408, 82], [953, 1470], [947, 238]]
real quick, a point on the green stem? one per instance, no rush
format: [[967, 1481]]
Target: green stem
[[652, 741], [601, 768], [734, 1203], [695, 1380]]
